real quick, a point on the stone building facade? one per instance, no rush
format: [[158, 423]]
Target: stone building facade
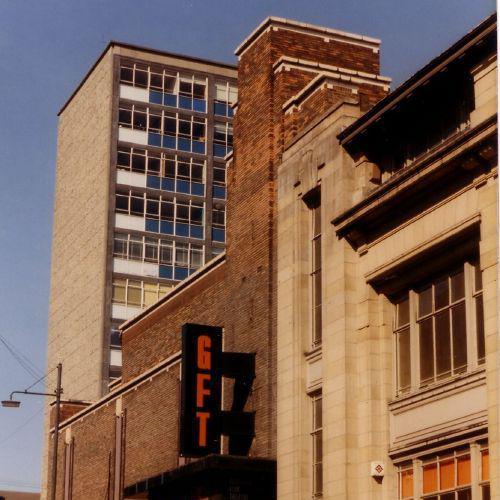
[[388, 343], [331, 231]]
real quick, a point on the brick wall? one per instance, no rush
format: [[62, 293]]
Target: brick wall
[[158, 336]]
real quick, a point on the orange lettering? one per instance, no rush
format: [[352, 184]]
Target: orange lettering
[[201, 390], [204, 359], [202, 416]]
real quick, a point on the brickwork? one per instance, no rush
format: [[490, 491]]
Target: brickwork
[[159, 336], [152, 428]]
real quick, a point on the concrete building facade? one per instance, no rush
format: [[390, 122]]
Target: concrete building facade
[[360, 271], [140, 198]]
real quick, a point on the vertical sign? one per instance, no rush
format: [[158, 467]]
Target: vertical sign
[[200, 390]]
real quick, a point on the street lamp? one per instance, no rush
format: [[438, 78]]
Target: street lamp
[[12, 403]]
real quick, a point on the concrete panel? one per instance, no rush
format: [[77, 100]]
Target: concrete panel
[[135, 136], [120, 311], [131, 178], [134, 93], [124, 221], [443, 414]]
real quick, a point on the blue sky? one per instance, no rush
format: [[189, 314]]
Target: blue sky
[[45, 49]]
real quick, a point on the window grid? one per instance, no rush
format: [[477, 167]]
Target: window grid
[[436, 327], [168, 88], [184, 257], [441, 315], [223, 139], [137, 293], [163, 215], [317, 444], [447, 477], [164, 128], [168, 172]]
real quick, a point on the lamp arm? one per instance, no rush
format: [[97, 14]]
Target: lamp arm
[[33, 393]]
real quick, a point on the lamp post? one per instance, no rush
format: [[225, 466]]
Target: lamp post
[[11, 403]]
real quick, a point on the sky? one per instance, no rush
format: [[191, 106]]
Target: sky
[[46, 47]]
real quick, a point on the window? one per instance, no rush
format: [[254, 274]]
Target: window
[[163, 215], [447, 475], [485, 475], [115, 337], [168, 88], [192, 93], [223, 139], [225, 97], [219, 223], [405, 482], [317, 445], [441, 323], [161, 252], [167, 129], [137, 293], [316, 270], [219, 181], [313, 203]]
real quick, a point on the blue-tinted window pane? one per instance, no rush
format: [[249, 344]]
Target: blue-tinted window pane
[[229, 149], [154, 139], [184, 144], [185, 102], [153, 182], [218, 235], [166, 272], [169, 141], [166, 227], [219, 150], [170, 100], [168, 184], [197, 188], [230, 111], [199, 147], [220, 108], [219, 192], [156, 97], [199, 105], [183, 187], [181, 273], [182, 229], [196, 231], [152, 225]]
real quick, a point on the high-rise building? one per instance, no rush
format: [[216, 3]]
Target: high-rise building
[[139, 200]]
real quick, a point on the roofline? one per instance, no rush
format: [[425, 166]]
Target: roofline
[[417, 79], [273, 20], [114, 43]]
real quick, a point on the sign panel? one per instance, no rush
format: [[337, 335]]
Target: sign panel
[[200, 390]]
